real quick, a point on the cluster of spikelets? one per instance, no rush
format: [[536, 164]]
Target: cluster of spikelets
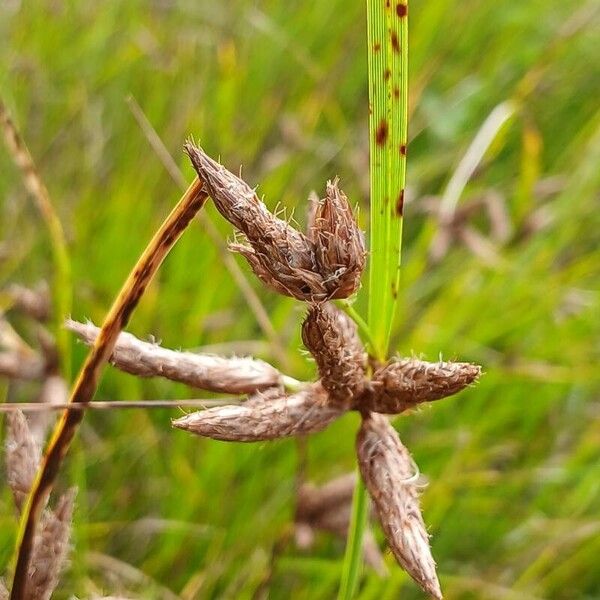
[[325, 263]]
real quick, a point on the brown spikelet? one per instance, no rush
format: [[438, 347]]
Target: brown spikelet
[[339, 243], [214, 373], [22, 457], [279, 255], [265, 416], [327, 266], [402, 384], [51, 548], [387, 470], [332, 338]]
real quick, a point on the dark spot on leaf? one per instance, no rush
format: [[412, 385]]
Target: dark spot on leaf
[[395, 42], [394, 291], [401, 10], [403, 149], [396, 93], [381, 134], [387, 74], [400, 203], [376, 47]]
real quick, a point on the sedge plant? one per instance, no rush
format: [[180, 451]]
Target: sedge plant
[[318, 266]]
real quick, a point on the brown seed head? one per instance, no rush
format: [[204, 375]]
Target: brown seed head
[[265, 416], [404, 383], [235, 375], [387, 470], [332, 338], [339, 243], [280, 256]]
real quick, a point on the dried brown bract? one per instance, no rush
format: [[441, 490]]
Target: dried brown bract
[[387, 470], [280, 256], [339, 243], [265, 416], [404, 383], [51, 548], [214, 373], [332, 338]]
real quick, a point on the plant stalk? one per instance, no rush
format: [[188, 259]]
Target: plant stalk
[[89, 375], [387, 52]]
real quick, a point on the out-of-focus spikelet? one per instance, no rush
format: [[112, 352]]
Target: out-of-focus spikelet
[[51, 548], [328, 508], [22, 457]]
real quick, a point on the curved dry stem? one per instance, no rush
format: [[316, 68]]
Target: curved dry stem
[[87, 381]]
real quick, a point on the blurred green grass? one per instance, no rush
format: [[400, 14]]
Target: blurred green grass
[[513, 502]]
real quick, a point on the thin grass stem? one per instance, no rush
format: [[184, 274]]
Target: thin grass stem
[[63, 284]]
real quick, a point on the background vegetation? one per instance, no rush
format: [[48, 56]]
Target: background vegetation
[[280, 87]]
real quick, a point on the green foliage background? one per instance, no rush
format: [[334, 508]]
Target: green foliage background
[[281, 87]]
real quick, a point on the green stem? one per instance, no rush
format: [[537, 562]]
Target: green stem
[[353, 557], [347, 307], [387, 51]]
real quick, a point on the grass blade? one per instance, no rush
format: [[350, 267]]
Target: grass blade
[[387, 49], [388, 102]]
